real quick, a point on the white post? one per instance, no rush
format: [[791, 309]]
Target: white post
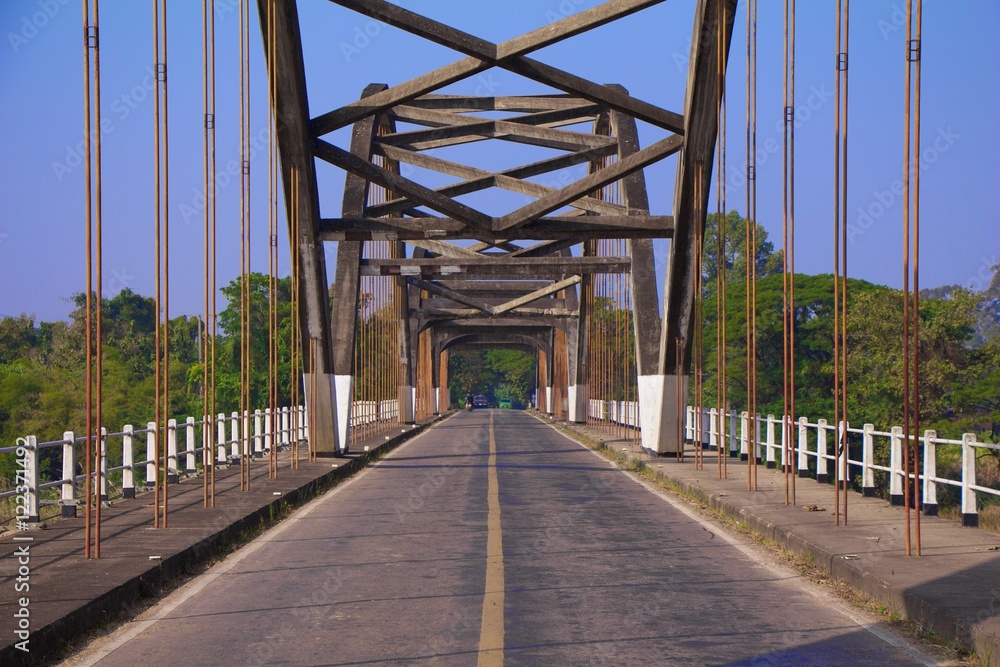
[[786, 434], [128, 463], [896, 466], [689, 424], [267, 430], [284, 427], [172, 476], [713, 423], [258, 441], [68, 497], [970, 515], [842, 465], [744, 435], [150, 453], [189, 464], [28, 455], [206, 451], [930, 472], [769, 445], [821, 469], [234, 430], [733, 434], [247, 437], [102, 468], [757, 442], [803, 447], [221, 437], [867, 461]]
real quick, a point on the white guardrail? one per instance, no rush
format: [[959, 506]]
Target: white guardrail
[[814, 451], [289, 423]]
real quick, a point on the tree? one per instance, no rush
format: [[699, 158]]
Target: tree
[[769, 262]]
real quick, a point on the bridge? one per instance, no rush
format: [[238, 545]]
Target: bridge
[[594, 527]]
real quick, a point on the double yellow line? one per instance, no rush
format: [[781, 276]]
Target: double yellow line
[[491, 632]]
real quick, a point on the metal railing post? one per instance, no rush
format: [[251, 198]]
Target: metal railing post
[[258, 441], [843, 468], [220, 441], [102, 468], [930, 472], [30, 461], [150, 453], [267, 430], [803, 463], [744, 435], [234, 430], [970, 515], [896, 466], [769, 444], [733, 435], [172, 476], [822, 473], [868, 461], [128, 463], [67, 499], [189, 464]]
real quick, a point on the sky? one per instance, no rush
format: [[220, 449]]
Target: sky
[[41, 108]]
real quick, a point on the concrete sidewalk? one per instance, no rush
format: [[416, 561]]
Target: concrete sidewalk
[[69, 595], [952, 589]]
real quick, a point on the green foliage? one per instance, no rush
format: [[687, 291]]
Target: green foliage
[[495, 373]]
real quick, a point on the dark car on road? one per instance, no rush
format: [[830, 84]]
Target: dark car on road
[[480, 402]]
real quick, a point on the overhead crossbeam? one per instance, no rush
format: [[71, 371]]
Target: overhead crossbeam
[[509, 55]]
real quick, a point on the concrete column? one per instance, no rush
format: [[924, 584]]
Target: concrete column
[[930, 472], [172, 477]]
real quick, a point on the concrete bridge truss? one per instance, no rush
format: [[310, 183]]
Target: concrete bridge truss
[[516, 281]]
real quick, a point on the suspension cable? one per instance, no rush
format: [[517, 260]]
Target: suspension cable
[[788, 256], [721, 253], [751, 244], [840, 261], [911, 236]]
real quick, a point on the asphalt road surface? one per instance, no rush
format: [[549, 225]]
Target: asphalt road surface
[[494, 540]]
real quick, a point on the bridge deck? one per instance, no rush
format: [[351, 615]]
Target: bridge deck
[[401, 565]]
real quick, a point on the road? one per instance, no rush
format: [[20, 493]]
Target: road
[[492, 539]]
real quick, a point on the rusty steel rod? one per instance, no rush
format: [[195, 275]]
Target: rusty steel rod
[[911, 243]]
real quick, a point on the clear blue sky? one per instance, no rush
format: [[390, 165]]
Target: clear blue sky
[[41, 109]]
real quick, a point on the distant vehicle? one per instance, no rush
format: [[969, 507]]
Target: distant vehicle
[[480, 402], [505, 404]]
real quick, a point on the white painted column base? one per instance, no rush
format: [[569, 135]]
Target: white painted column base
[[322, 427], [657, 408], [343, 390], [575, 412], [548, 401], [437, 400]]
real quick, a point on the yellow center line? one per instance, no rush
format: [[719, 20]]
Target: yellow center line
[[491, 631]]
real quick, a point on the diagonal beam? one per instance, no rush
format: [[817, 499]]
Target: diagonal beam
[[480, 179], [537, 294], [443, 248], [397, 183], [512, 59], [422, 26], [591, 182], [458, 297], [545, 248]]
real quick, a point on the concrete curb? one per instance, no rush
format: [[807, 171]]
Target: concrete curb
[[118, 603]]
